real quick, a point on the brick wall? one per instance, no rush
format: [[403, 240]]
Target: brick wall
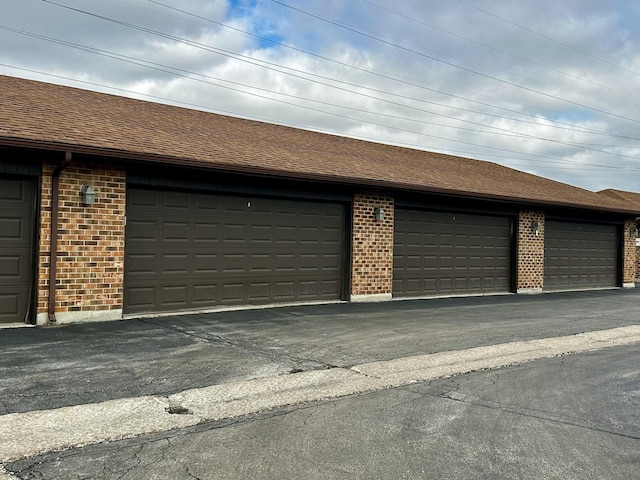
[[372, 248], [90, 267], [44, 246], [530, 269], [630, 256]]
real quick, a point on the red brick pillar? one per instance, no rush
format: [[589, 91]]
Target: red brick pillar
[[372, 248], [629, 254], [90, 266], [530, 254]]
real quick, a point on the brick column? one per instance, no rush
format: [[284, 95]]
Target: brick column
[[90, 267], [530, 261], [629, 254], [372, 248]]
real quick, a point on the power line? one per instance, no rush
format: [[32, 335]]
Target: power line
[[181, 40], [424, 55], [546, 37], [492, 48], [568, 126], [186, 74], [232, 55], [262, 63], [544, 157]]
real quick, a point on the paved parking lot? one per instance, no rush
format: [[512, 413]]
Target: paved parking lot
[[511, 422], [568, 417], [49, 367]]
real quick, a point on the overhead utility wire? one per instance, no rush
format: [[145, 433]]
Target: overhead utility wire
[[413, 132], [123, 90], [201, 107], [186, 74], [395, 78], [253, 61], [136, 61], [569, 126], [512, 55], [421, 54], [372, 72], [259, 63], [163, 68], [551, 39], [191, 43], [384, 126]]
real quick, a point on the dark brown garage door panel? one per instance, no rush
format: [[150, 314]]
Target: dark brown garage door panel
[[16, 247], [194, 250], [450, 253], [580, 255]]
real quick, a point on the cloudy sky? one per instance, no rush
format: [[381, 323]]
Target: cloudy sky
[[545, 86]]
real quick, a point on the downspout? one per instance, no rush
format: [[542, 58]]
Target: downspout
[[53, 242], [637, 278]]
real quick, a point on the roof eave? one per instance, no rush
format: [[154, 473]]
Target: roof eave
[[385, 184]]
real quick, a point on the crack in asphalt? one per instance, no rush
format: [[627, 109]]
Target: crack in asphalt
[[545, 415], [140, 444], [130, 468], [268, 391], [205, 337], [246, 347], [550, 416]]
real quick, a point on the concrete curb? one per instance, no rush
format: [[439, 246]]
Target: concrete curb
[[33, 433], [427, 367]]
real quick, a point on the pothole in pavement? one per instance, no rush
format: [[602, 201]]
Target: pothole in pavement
[[178, 410]]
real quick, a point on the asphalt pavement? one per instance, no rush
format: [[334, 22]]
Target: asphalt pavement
[[570, 417], [155, 359], [51, 367]]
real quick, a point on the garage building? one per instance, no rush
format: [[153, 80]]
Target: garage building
[[198, 211]]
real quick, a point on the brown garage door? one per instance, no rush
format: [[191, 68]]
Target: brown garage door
[[439, 253], [16, 248], [188, 250], [579, 255]]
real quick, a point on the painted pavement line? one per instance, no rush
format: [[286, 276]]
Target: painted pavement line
[[33, 433]]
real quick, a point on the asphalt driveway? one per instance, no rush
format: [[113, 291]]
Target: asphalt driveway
[[50, 367], [569, 417]]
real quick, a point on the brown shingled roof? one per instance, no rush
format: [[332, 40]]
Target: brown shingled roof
[[631, 198], [44, 115]]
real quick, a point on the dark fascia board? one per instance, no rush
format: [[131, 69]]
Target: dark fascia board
[[572, 215], [353, 181], [226, 182]]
